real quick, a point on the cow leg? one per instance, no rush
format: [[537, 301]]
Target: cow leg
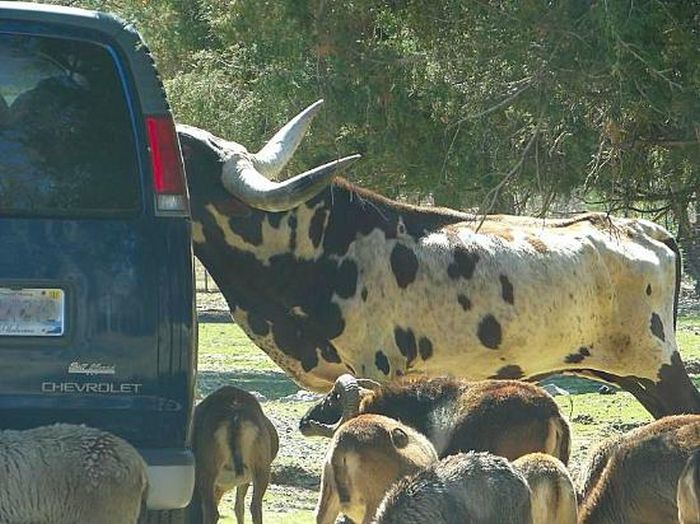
[[675, 389], [672, 394]]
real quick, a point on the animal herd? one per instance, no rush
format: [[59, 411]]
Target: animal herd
[[374, 302], [447, 451], [431, 450]]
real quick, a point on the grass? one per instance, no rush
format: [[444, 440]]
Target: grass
[[226, 356]]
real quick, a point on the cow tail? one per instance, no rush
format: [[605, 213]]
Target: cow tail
[[673, 246]]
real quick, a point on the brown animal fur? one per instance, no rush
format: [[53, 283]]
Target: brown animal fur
[[366, 456], [234, 444], [635, 478], [505, 417], [688, 495], [553, 493]]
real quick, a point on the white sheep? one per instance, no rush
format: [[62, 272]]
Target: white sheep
[[63, 474]]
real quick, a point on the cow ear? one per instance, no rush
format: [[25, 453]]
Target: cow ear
[[399, 438]]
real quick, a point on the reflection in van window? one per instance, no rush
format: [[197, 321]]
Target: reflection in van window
[[66, 141]]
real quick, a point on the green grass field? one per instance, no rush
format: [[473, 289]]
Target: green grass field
[[226, 356]]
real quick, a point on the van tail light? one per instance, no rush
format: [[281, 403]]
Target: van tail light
[[166, 163]]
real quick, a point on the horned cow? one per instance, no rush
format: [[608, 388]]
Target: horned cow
[[234, 445], [366, 456], [506, 417], [635, 477], [329, 278]]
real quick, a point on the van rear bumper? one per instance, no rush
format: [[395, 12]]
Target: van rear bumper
[[170, 477]]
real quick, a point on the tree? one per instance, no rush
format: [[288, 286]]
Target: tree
[[510, 106]]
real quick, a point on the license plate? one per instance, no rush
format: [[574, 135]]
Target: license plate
[[35, 312]]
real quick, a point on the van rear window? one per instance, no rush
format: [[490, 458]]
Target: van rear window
[[67, 146]]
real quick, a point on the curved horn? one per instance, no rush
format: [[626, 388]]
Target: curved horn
[[367, 383], [242, 180], [349, 396], [346, 387], [278, 151]]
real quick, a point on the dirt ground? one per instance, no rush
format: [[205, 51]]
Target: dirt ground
[[227, 357]]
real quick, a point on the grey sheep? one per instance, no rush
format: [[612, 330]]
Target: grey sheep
[[474, 488], [67, 474]]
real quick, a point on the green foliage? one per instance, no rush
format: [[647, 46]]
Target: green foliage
[[448, 100]]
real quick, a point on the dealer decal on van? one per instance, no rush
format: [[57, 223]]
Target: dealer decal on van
[[91, 368], [90, 387]]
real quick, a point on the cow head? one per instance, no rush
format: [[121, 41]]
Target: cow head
[[227, 169], [341, 403]]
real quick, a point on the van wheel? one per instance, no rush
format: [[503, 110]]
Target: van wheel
[[174, 516]]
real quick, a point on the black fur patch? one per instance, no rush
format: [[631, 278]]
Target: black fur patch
[[657, 327], [506, 289], [575, 358], [489, 332], [463, 265], [316, 226], [250, 228], [346, 279], [292, 222], [464, 302], [330, 354], [381, 362], [406, 342], [425, 348], [511, 371], [258, 325], [404, 265], [275, 219]]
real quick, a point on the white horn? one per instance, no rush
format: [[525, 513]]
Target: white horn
[[242, 180], [274, 155]]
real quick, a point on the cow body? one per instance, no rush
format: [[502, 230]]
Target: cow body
[[350, 281]]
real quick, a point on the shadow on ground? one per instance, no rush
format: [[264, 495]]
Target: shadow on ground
[[270, 384]]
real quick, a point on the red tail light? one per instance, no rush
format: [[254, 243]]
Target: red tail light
[[166, 163]]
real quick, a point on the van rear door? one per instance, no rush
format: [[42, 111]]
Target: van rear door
[[95, 289]]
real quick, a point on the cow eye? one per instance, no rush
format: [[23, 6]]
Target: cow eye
[[336, 396]]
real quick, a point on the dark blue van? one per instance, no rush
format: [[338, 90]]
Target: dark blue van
[[97, 317]]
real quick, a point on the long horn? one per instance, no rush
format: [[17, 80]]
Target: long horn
[[278, 151], [242, 180]]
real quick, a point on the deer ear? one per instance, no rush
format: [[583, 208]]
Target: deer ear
[[399, 438]]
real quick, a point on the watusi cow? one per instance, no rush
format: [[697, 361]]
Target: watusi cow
[[329, 278]]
